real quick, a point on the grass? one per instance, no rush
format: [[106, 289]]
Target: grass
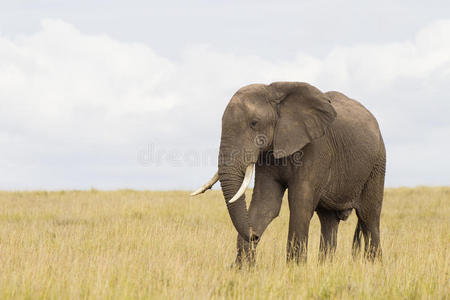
[[128, 244]]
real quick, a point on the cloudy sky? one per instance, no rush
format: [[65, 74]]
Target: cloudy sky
[[130, 94]]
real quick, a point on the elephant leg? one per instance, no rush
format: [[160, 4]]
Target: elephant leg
[[356, 247], [301, 206], [369, 212], [264, 207], [371, 233], [329, 224]]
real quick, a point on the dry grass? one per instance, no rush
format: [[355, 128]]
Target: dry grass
[[128, 244]]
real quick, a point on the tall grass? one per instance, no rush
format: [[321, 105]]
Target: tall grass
[[128, 244]]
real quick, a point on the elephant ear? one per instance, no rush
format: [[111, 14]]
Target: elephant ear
[[304, 113]]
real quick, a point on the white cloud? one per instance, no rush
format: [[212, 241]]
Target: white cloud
[[76, 109]]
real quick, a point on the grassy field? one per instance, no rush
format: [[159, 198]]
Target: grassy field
[[128, 244]]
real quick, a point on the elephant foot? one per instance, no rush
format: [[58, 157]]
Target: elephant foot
[[236, 266], [241, 262]]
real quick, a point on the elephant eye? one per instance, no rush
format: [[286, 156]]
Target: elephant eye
[[253, 123]]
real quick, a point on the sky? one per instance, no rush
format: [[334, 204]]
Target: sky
[[114, 94]]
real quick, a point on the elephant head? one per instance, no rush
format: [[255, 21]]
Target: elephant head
[[281, 118]]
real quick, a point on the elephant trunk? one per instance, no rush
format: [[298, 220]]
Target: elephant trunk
[[231, 180]]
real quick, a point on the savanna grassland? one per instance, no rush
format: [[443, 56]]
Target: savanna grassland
[[128, 244]]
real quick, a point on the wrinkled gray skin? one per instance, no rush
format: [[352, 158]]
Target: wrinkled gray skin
[[325, 148]]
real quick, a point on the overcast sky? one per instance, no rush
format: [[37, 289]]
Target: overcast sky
[[130, 94]]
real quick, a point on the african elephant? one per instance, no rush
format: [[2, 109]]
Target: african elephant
[[325, 148]]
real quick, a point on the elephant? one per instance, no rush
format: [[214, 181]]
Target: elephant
[[326, 149]]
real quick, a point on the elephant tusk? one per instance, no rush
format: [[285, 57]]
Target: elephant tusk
[[244, 185], [207, 185]]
